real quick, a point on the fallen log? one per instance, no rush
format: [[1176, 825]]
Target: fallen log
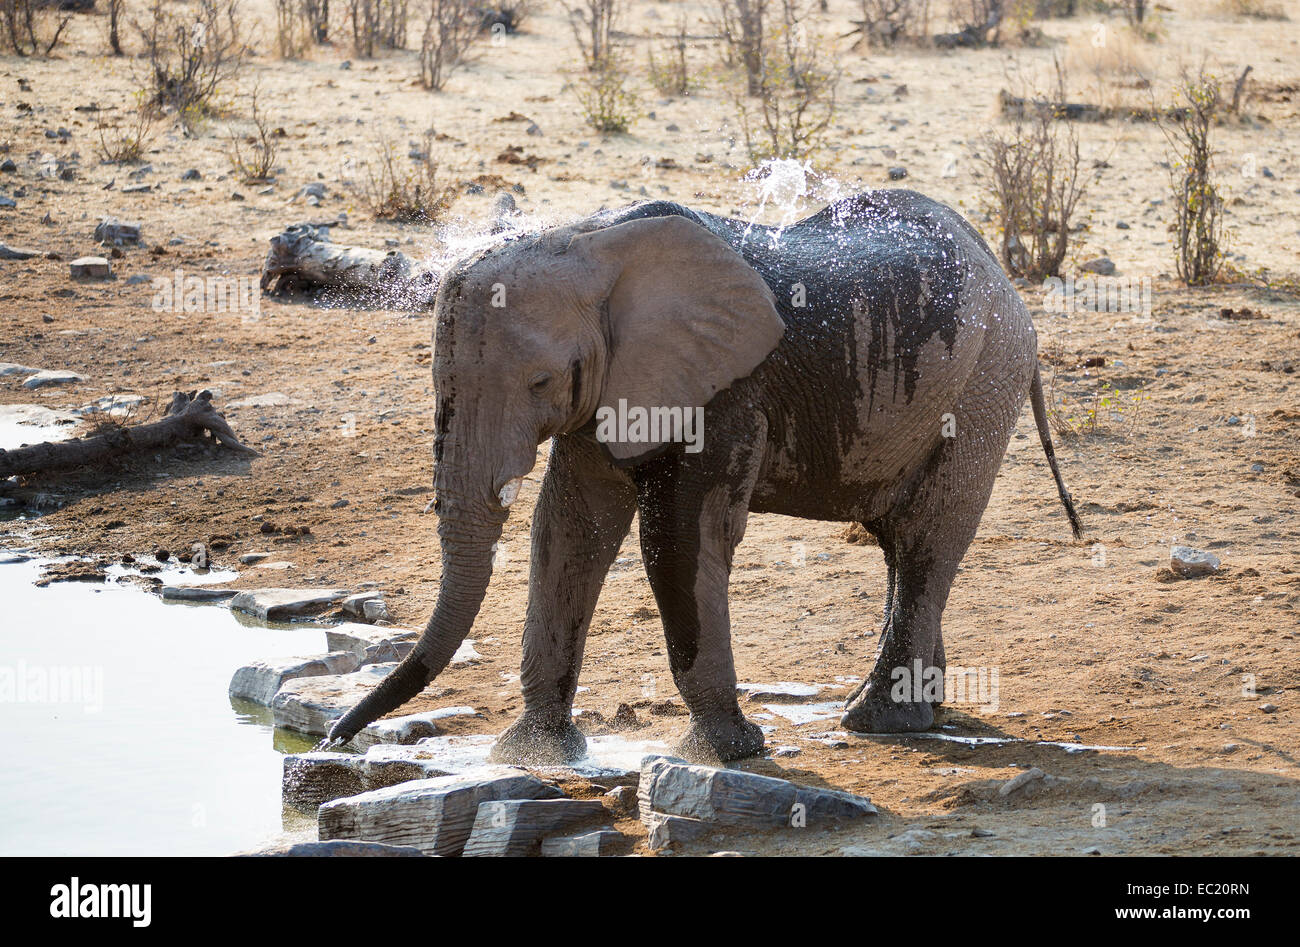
[[188, 417], [1020, 109], [304, 258]]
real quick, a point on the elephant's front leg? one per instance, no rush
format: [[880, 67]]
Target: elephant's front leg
[[582, 515], [693, 513]]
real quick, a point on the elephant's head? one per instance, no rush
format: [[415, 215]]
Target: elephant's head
[[531, 339]]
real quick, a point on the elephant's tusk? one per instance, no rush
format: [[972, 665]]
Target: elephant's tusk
[[510, 492]]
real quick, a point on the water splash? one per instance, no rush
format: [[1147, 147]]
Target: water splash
[[782, 182]]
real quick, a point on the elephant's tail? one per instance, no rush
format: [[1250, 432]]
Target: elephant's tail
[[1045, 436]]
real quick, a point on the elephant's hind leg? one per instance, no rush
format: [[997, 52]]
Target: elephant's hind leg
[[693, 514], [583, 513], [929, 534]]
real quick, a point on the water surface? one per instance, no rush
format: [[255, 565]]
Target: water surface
[[119, 736]]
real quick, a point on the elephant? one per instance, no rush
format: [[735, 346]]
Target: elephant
[[866, 364]]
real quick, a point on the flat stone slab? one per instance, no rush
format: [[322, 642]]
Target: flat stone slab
[[311, 705], [16, 253], [281, 604], [434, 815], [372, 645], [611, 755], [516, 827], [13, 368], [196, 593], [261, 680], [734, 798], [50, 377], [334, 849], [598, 844], [409, 729]]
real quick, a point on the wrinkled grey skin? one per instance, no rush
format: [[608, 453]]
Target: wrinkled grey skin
[[866, 364]]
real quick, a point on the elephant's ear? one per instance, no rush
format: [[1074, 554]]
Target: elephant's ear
[[687, 316]]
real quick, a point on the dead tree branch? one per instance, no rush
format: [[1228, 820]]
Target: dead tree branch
[[189, 417]]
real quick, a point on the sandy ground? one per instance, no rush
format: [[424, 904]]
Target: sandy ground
[[1094, 642]]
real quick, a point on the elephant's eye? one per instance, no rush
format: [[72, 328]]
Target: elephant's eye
[[541, 382]]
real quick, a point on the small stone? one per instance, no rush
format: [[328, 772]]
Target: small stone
[[44, 379], [192, 174], [623, 797], [981, 833], [1102, 266], [90, 267], [252, 558], [1094, 850], [1190, 563], [366, 606], [588, 845], [1269, 708], [1020, 781], [667, 830], [7, 166], [117, 232], [897, 173]]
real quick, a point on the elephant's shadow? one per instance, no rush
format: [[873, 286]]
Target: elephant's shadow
[[1176, 804]]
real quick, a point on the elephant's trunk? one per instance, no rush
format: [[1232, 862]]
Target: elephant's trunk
[[467, 541]]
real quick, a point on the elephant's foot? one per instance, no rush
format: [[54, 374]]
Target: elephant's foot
[[536, 741], [720, 739], [874, 711]]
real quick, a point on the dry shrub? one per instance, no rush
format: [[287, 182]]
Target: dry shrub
[[377, 24], [1033, 183], [594, 23], [191, 54], [796, 89], [1198, 226], [126, 142], [252, 156], [451, 29], [410, 193], [1253, 9], [607, 103], [669, 73], [299, 25], [31, 28], [1112, 59], [888, 22], [740, 24]]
